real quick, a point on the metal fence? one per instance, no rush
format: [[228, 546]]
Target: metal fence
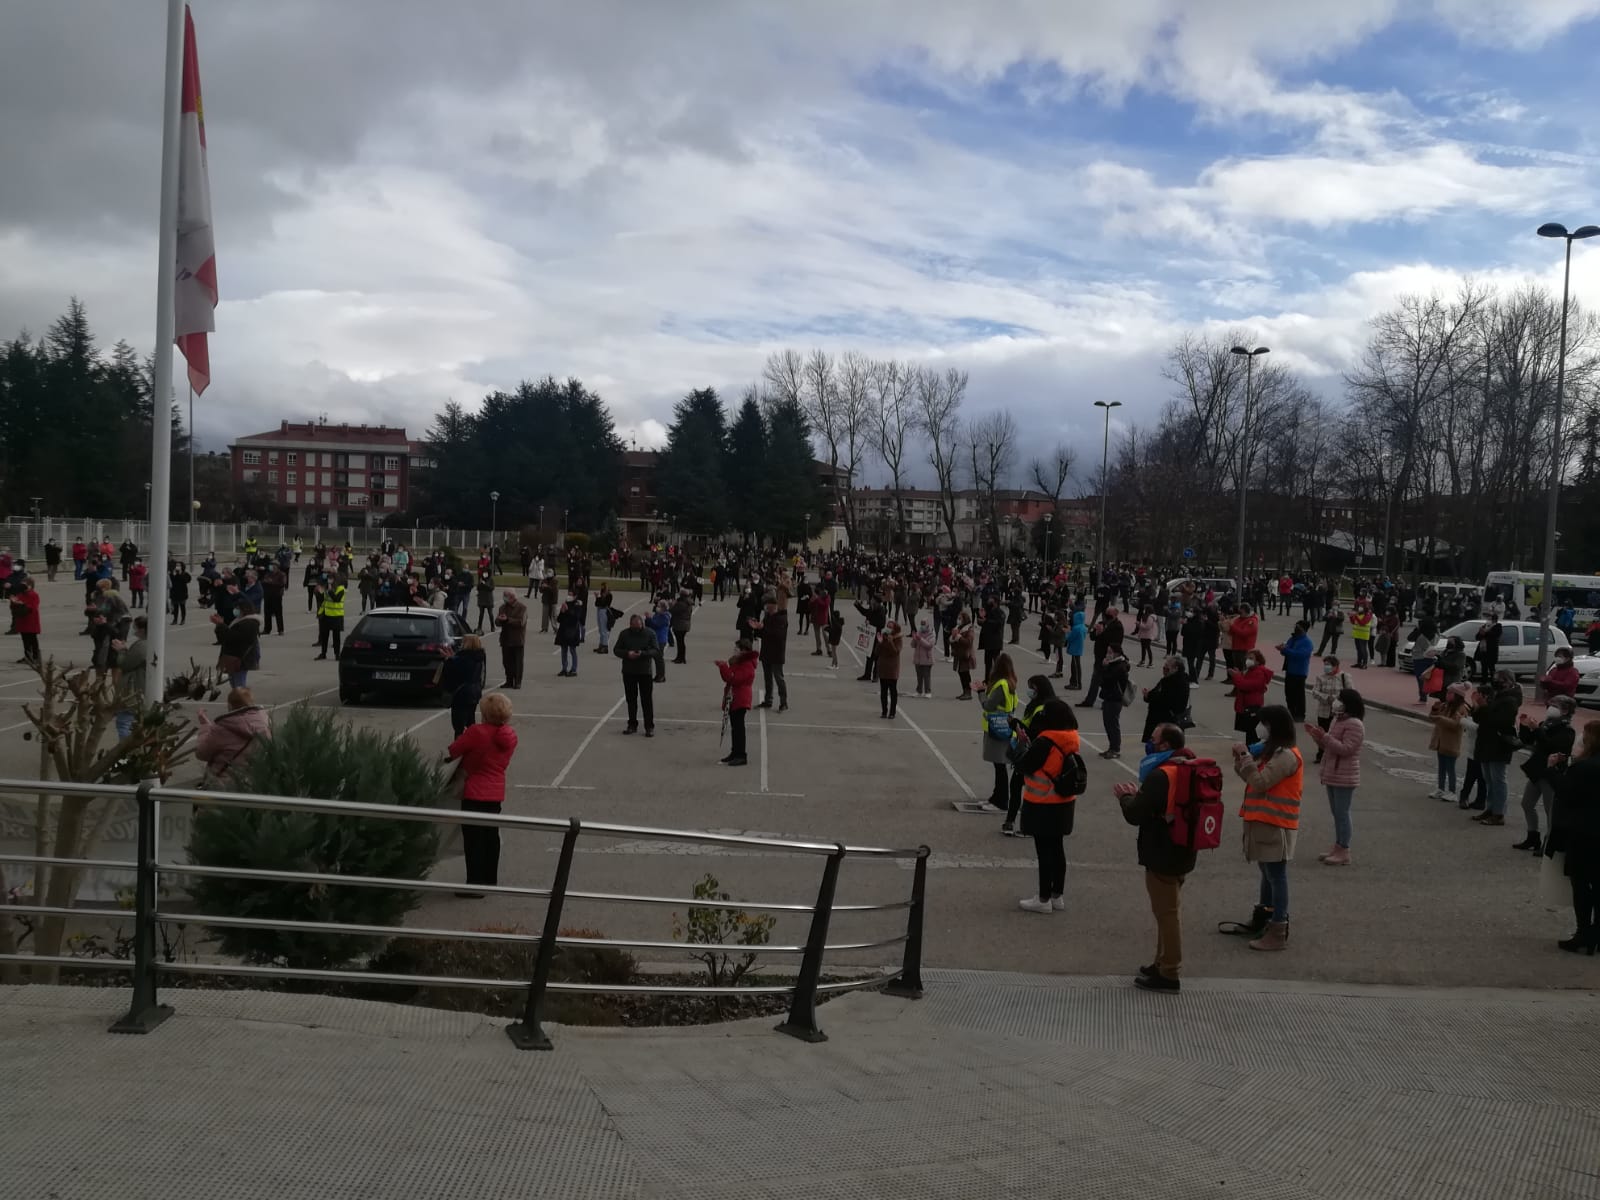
[[26, 539], [145, 1010]]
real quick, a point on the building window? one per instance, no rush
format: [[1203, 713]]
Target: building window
[[327, 476], [327, 497], [377, 482], [358, 499], [288, 497], [292, 458], [272, 456], [252, 458], [358, 460], [355, 478], [272, 477], [633, 491], [391, 462], [391, 499], [294, 478], [251, 476]]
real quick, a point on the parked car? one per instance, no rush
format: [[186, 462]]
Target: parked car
[[398, 650], [1519, 643], [1588, 676]]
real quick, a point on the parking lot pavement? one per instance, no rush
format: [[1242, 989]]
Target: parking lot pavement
[[1432, 898]]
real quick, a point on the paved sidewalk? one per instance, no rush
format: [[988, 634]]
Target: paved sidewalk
[[994, 1086]]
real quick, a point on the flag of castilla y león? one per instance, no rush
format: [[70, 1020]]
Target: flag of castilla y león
[[195, 298]]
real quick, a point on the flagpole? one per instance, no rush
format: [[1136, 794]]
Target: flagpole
[[188, 533], [161, 387]]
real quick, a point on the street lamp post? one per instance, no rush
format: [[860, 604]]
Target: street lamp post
[[1244, 461], [1546, 602], [1049, 519], [1105, 466], [494, 518], [806, 540]]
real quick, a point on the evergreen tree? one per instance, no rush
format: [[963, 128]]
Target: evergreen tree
[[793, 489], [746, 466], [689, 478]]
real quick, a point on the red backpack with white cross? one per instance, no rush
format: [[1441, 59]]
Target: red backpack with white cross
[[1194, 807]]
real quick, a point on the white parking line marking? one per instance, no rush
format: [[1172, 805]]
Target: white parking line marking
[[763, 749], [557, 787], [584, 745], [928, 741], [428, 720], [780, 795]]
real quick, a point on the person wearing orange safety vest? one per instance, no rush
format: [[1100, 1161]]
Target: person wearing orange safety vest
[[1046, 814], [1274, 778]]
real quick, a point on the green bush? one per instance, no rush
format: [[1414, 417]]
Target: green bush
[[722, 927], [578, 541], [310, 753]]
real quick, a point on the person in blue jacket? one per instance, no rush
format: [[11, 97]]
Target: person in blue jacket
[[1296, 653], [1075, 639], [660, 622]]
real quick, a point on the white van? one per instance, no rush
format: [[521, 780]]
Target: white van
[[1525, 588]]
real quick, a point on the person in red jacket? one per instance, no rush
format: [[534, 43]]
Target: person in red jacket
[[484, 752], [739, 677], [1242, 636], [138, 576], [821, 604], [25, 619], [1249, 693]]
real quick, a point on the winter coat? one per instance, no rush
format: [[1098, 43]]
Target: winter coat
[[569, 624], [131, 665], [1112, 676], [1297, 655], [775, 638], [25, 611], [224, 741], [922, 645], [992, 632], [1077, 635], [240, 642], [1242, 632], [1447, 732], [1250, 687], [660, 624], [739, 673], [961, 655], [1341, 752], [485, 750], [1168, 700], [1496, 720], [682, 614], [1147, 808], [1326, 689], [512, 618], [1110, 633], [642, 640], [1561, 681], [1575, 817], [889, 647], [465, 672], [1544, 739], [1145, 628]]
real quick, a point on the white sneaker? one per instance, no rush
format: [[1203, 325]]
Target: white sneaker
[[1034, 904], [1058, 903], [1434, 795]]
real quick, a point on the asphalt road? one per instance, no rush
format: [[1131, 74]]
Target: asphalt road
[[1432, 898]]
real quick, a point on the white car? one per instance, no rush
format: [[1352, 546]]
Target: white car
[[1588, 675], [1519, 643]]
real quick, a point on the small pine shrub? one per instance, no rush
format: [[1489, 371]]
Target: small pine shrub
[[312, 754]]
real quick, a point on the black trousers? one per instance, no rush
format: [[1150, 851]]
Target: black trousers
[[1586, 901], [272, 610], [640, 692], [463, 709], [736, 725], [682, 637], [511, 660], [888, 695], [327, 626], [30, 647], [180, 611], [1051, 849], [481, 845], [1294, 696], [1001, 782]]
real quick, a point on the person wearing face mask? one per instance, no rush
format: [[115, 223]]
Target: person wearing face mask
[[890, 644], [1361, 633], [1331, 680], [1250, 693], [1114, 692], [1562, 677], [1040, 692], [1168, 701], [1274, 779], [1551, 736], [1452, 663], [1341, 768], [923, 643], [1147, 804], [1296, 651]]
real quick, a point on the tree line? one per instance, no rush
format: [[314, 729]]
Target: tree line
[[1437, 461], [75, 424]]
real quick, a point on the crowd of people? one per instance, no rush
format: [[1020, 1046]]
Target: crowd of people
[[967, 613]]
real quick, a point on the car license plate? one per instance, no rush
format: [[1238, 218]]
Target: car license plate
[[395, 676]]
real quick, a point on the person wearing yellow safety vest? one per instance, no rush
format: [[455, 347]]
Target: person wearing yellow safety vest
[[999, 710], [250, 548], [330, 614], [1046, 814], [1274, 778]]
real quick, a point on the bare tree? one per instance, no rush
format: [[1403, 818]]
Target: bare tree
[[939, 396], [894, 421], [1050, 474], [992, 445]]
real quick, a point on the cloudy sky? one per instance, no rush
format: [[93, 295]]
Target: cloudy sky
[[416, 201]]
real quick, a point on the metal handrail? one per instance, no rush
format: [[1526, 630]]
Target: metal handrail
[[145, 1013]]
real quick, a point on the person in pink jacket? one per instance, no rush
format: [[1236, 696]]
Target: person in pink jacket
[[922, 645], [226, 740], [1340, 771]]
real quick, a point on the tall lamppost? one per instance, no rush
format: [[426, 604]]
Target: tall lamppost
[[806, 540], [494, 517], [1105, 466], [1244, 460], [1553, 230], [1049, 519]]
